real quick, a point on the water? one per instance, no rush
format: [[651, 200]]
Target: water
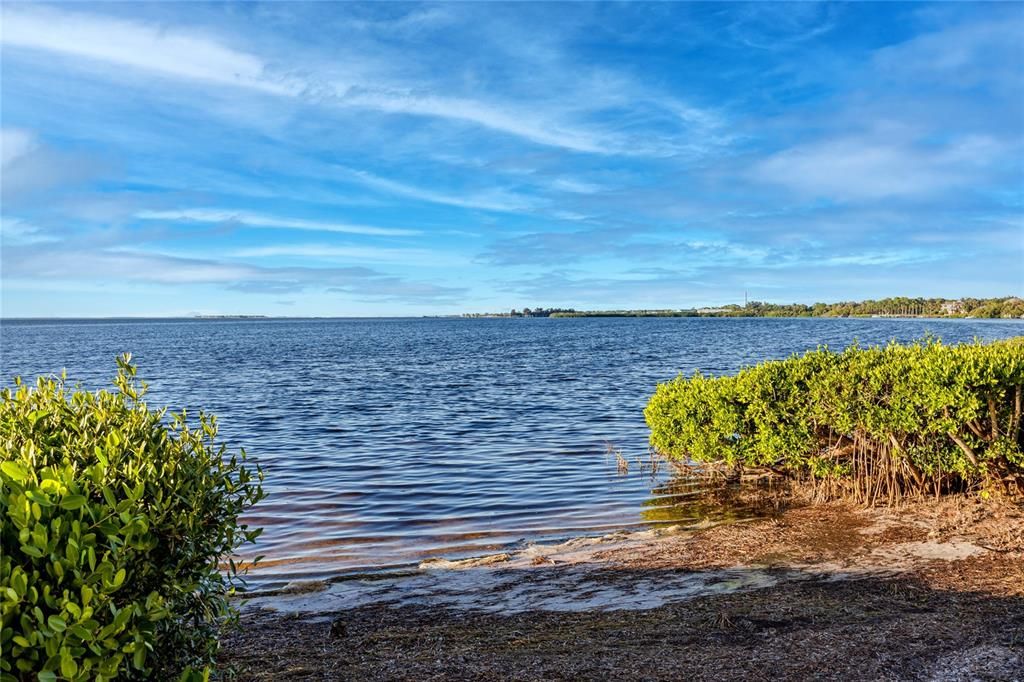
[[390, 441]]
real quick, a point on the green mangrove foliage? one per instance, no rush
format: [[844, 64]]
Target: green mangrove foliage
[[875, 424], [116, 521]]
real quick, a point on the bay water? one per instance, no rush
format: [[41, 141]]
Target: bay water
[[390, 441]]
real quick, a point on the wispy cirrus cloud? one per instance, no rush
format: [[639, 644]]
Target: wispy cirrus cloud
[[257, 220], [653, 245], [874, 166], [161, 49], [29, 167], [575, 186], [420, 257], [15, 143], [54, 263], [665, 152], [780, 26], [959, 56], [881, 258], [693, 256], [201, 57], [492, 200], [14, 231], [915, 121], [519, 123]]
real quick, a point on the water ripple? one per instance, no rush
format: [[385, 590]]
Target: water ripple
[[390, 441]]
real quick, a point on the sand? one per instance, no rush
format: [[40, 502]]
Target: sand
[[930, 591]]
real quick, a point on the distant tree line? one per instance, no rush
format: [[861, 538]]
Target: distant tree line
[[527, 312], [898, 306]]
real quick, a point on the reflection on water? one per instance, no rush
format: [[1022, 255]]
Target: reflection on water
[[685, 499], [387, 442]]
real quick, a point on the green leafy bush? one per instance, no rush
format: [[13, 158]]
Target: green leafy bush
[[871, 423], [115, 522]]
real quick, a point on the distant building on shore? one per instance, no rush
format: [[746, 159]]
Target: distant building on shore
[[952, 307]]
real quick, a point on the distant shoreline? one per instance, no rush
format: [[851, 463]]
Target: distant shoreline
[[712, 315], [469, 317], [1007, 307]]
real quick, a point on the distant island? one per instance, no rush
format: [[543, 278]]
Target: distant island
[[229, 317], [1008, 307]]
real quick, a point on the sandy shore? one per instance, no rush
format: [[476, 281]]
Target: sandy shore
[[932, 591]]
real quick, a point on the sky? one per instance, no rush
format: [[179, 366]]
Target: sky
[[408, 159]]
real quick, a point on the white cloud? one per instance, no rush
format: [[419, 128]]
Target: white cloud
[[14, 144], [66, 262], [502, 119], [192, 55], [961, 55], [881, 258], [359, 253], [494, 200], [17, 231], [730, 251], [870, 167], [30, 167], [570, 215], [778, 26], [130, 44], [257, 220], [575, 186]]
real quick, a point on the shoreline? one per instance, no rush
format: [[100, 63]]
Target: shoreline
[[477, 316], [931, 590]]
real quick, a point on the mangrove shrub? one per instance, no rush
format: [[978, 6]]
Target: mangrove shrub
[[875, 424], [119, 524]]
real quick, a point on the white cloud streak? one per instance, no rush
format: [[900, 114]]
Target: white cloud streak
[[14, 231], [192, 55], [574, 186], [257, 220], [54, 263], [504, 120], [872, 167], [359, 253], [161, 50], [495, 200], [14, 144]]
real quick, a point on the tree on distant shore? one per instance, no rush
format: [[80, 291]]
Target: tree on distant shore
[[898, 306]]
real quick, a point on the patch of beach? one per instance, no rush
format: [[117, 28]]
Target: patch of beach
[[649, 569]]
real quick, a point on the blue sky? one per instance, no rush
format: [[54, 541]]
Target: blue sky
[[407, 159]]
